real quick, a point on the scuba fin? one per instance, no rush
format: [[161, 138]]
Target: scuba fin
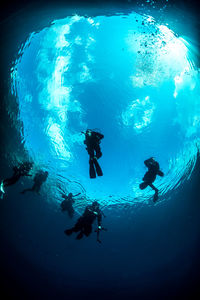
[[2, 187], [2, 192], [92, 170], [155, 198], [68, 231], [79, 236], [98, 168]]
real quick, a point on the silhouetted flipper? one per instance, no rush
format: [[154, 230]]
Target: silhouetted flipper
[[2, 192], [68, 231], [98, 168], [155, 198], [92, 170], [79, 236]]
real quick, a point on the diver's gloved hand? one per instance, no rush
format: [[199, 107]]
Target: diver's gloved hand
[[101, 228]]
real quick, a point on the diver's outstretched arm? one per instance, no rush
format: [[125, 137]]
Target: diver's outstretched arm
[[103, 214], [76, 195], [98, 232], [12, 180], [99, 135]]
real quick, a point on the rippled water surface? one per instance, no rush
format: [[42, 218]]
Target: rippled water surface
[[126, 76]]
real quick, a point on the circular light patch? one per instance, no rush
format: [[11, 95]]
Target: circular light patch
[[125, 76]]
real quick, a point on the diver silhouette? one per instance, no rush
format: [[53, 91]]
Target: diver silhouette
[[39, 179], [150, 176], [92, 141], [18, 171], [67, 204], [84, 223]]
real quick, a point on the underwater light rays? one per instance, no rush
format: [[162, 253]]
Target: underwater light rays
[[71, 66], [138, 114]]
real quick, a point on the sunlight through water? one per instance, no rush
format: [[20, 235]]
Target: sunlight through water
[[126, 76]]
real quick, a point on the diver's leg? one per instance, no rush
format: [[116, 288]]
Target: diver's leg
[[155, 198], [26, 190], [36, 187], [12, 180], [69, 231], [153, 187], [98, 168], [80, 227], [77, 227], [29, 190], [92, 169], [70, 211], [143, 185], [80, 235], [98, 151], [87, 229], [63, 205], [98, 155]]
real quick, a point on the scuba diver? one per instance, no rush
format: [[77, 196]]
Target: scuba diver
[[150, 176], [84, 223], [22, 170], [67, 204], [92, 141], [39, 179]]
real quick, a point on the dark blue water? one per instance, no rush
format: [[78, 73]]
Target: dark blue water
[[96, 73]]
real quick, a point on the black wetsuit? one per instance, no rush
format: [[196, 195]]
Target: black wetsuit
[[153, 170], [150, 175], [92, 142], [39, 179], [20, 171], [67, 205], [84, 223], [93, 148]]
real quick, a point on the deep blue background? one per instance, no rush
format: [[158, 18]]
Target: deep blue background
[[155, 257]]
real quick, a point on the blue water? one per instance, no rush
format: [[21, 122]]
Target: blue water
[[135, 80], [125, 75]]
